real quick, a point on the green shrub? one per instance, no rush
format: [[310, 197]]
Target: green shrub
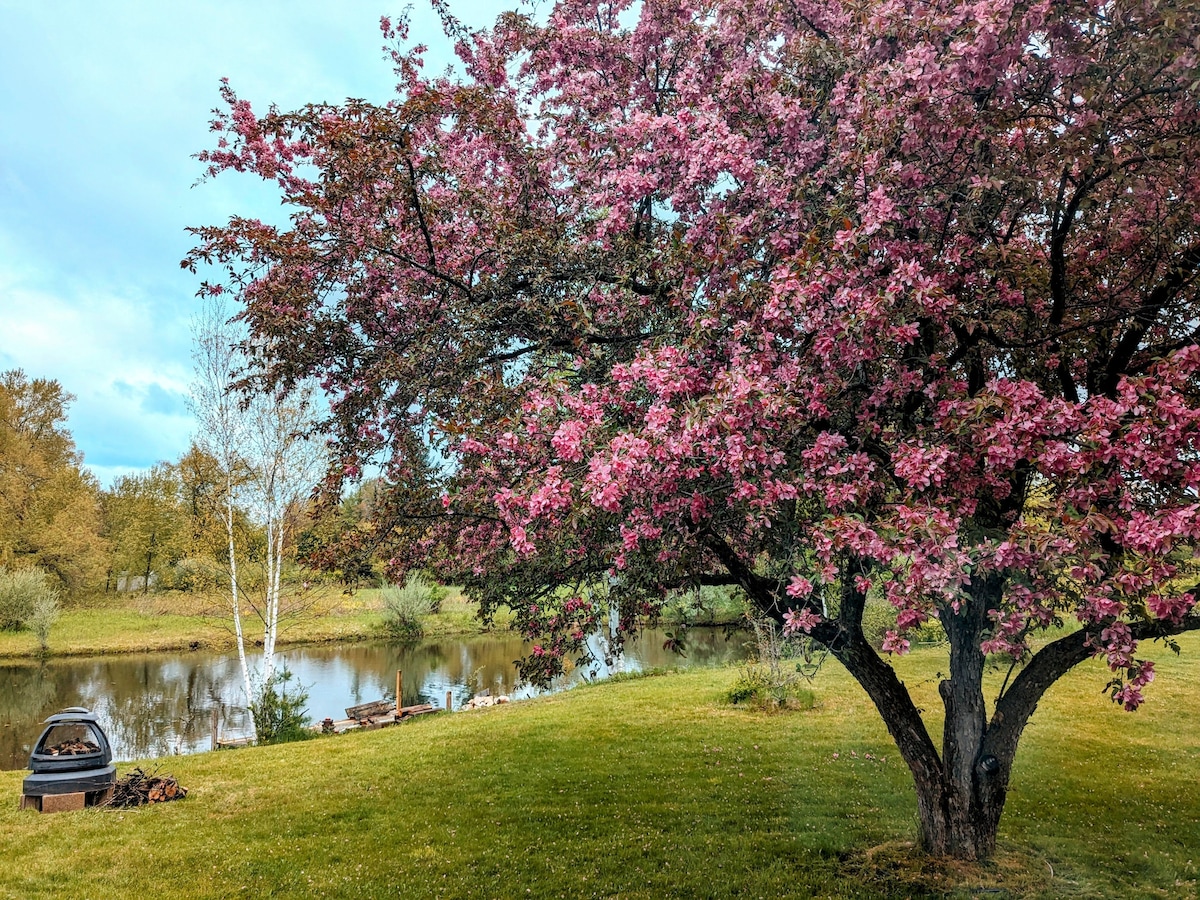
[[879, 617], [774, 678], [758, 686], [42, 618], [26, 594], [281, 716], [707, 605], [929, 632], [198, 574], [405, 608], [437, 593]]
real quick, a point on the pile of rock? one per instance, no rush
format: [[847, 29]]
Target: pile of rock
[[484, 698]]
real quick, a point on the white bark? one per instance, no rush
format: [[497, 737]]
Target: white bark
[[222, 434], [235, 601], [270, 461], [285, 463]]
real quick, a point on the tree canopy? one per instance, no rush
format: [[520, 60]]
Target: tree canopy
[[148, 525], [829, 300], [49, 505]]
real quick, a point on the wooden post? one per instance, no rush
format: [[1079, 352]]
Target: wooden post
[[399, 691], [448, 695], [216, 721]]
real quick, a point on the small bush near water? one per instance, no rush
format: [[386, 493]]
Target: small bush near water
[[280, 716], [28, 600], [405, 608], [774, 678], [42, 618]]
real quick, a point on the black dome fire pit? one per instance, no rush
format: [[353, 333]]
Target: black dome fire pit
[[71, 763]]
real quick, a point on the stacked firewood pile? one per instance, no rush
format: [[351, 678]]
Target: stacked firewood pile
[[137, 788], [72, 748]]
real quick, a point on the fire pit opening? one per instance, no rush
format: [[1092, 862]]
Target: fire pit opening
[[71, 763], [75, 739]]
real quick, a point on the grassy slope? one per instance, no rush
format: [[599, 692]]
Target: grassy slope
[[171, 621], [644, 788]]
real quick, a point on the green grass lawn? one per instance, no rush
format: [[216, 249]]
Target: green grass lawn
[[645, 788], [134, 623]]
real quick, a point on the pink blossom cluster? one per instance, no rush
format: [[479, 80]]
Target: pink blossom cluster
[[881, 297]]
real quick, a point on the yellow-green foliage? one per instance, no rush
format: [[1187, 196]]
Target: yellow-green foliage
[[26, 596]]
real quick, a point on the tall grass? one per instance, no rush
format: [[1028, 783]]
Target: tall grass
[[406, 606]]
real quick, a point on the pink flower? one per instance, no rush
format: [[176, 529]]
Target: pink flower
[[799, 621], [894, 643], [799, 587]]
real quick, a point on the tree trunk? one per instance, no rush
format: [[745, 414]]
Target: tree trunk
[[234, 596], [972, 787], [950, 829], [149, 564], [961, 791]]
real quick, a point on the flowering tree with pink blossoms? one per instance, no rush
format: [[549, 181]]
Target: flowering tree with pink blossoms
[[822, 299]]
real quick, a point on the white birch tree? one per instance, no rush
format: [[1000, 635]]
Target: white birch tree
[[269, 460], [284, 464]]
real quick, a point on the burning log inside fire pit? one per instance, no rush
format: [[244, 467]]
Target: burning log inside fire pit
[[137, 789]]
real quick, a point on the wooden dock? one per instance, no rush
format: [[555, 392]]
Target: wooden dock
[[369, 716]]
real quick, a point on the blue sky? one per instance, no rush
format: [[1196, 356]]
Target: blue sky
[[102, 104]]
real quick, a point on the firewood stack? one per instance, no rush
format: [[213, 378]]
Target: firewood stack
[[72, 748], [137, 788]]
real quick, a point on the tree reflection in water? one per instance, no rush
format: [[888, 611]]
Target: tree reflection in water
[[161, 704]]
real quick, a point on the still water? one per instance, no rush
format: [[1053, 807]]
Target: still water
[[163, 703]]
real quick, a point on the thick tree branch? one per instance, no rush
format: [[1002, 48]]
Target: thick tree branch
[[1146, 317], [1049, 664]]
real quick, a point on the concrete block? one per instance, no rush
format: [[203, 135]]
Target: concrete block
[[63, 802]]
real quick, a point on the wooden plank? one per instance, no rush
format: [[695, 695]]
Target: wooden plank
[[366, 710], [415, 709]]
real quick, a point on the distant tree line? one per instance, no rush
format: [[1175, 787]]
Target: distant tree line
[[163, 528]]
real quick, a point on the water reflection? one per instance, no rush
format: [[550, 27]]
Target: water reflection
[[161, 704]]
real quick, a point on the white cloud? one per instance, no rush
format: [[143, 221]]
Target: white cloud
[[127, 365], [105, 103]]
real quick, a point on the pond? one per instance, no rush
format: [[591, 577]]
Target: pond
[[164, 703]]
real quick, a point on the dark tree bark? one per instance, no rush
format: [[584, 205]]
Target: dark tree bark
[[961, 790]]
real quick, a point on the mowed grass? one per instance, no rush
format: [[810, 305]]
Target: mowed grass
[[645, 788], [134, 623]]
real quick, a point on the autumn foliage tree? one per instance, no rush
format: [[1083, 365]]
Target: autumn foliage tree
[[148, 527], [823, 299], [50, 515]]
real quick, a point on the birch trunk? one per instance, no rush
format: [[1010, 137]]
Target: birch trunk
[[234, 596]]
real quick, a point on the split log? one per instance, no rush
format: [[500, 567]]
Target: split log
[[72, 748]]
